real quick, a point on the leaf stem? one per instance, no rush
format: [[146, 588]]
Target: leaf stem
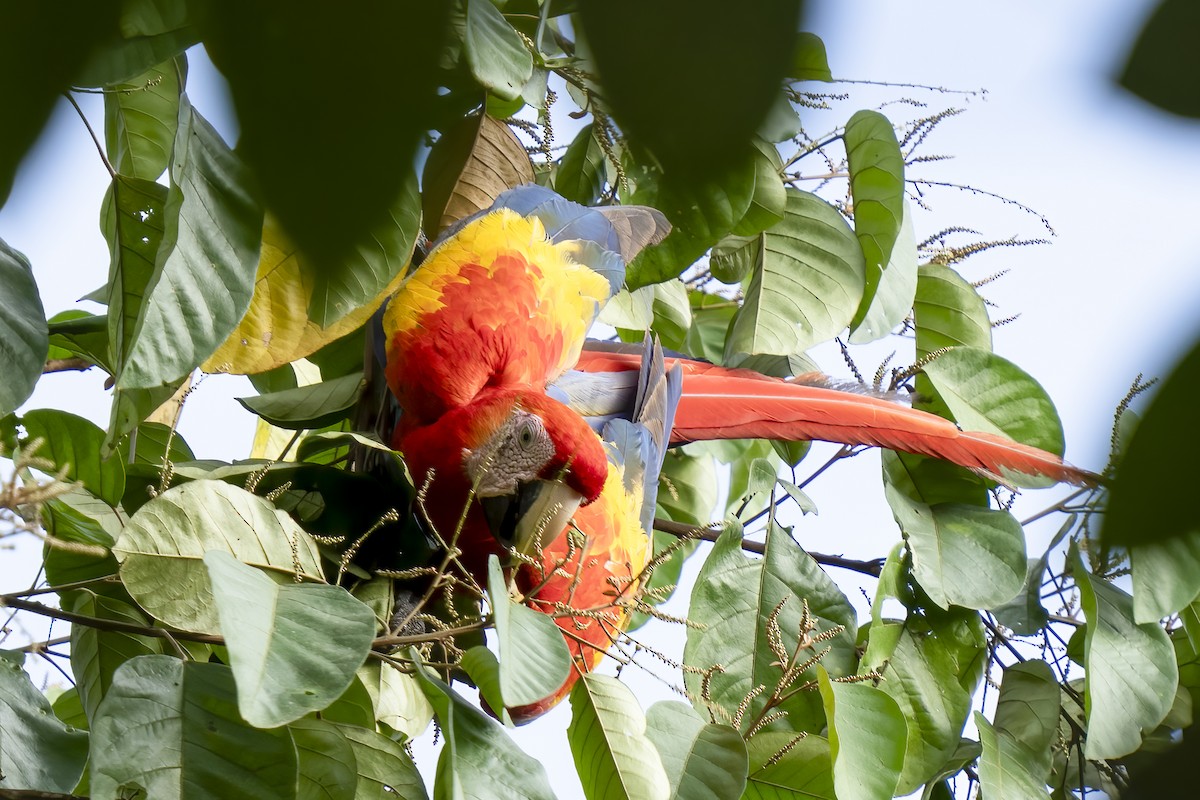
[[112, 173]]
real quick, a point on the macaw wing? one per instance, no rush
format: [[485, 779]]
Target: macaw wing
[[504, 300]]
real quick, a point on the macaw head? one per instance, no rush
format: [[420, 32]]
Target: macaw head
[[530, 461]]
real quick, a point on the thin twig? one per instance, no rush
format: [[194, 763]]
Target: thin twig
[[112, 173]]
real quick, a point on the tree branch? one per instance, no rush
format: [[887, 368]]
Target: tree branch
[[870, 567], [66, 365]]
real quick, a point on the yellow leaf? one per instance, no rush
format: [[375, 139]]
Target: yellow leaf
[[276, 329]]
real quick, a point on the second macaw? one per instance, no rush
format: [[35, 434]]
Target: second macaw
[[485, 354]]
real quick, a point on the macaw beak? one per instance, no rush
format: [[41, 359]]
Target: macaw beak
[[533, 516]]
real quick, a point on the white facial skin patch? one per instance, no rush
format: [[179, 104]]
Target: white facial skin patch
[[517, 453]]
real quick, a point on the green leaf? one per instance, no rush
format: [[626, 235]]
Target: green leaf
[[78, 333], [876, 168], [734, 597], [968, 752], [948, 312], [150, 32], [81, 517], [308, 407], [930, 675], [807, 284], [1146, 504], [495, 53], [482, 666], [133, 218], [397, 700], [733, 258], [384, 768], [69, 708], [48, 48], [293, 648], [769, 201], [161, 550], [24, 334], [580, 175], [711, 315], [809, 62], [1131, 670], [962, 555], [140, 116], [204, 271], [988, 393], [131, 407], [1025, 615], [328, 768], [699, 214], [96, 654], [478, 753], [614, 758], [74, 443], [172, 729], [702, 760], [38, 752], [534, 659], [1166, 575], [1163, 63], [155, 442], [672, 313], [1004, 766], [716, 74], [804, 771], [933, 481], [1028, 713], [342, 286], [867, 732], [892, 301]]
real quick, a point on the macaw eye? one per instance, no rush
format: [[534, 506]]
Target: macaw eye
[[526, 435]]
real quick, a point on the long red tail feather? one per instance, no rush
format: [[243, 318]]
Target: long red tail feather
[[720, 403]]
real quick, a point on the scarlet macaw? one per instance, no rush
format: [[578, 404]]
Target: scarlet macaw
[[485, 354]]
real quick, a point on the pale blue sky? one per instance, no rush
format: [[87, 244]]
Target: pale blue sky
[[1113, 295]]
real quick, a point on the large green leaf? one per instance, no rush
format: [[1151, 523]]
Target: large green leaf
[[384, 768], [77, 333], [580, 175], [172, 729], [396, 699], [478, 755], [162, 548], [37, 752], [806, 284], [1166, 575], [342, 286], [769, 201], [924, 673], [204, 271], [1131, 670], [733, 599], [149, 32], [308, 407], [47, 48], [331, 138], [74, 443], [1162, 65], [700, 215], [876, 168], [81, 517], [1028, 713], [1005, 766], [809, 62], [1147, 502], [328, 769], [702, 760], [782, 768], [294, 648], [867, 732], [1025, 615], [140, 116], [711, 315], [988, 393], [962, 555], [495, 53], [614, 758], [96, 654], [715, 75], [534, 659], [24, 335], [892, 301], [948, 312]]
